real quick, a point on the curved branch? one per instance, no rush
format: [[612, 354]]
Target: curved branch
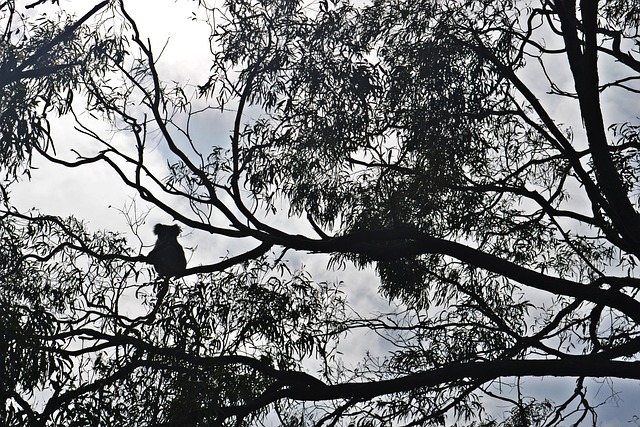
[[154, 104], [229, 262], [474, 371], [387, 245]]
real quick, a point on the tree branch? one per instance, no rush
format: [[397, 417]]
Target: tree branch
[[474, 371]]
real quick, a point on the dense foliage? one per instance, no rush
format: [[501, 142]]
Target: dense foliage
[[480, 156]]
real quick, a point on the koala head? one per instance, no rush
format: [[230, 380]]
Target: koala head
[[166, 232]]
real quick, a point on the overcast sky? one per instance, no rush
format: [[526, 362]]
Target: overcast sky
[[96, 195]]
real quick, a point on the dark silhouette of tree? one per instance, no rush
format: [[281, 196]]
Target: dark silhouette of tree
[[481, 156], [41, 62]]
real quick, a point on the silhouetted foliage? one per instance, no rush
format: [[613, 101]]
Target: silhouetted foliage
[[481, 157]]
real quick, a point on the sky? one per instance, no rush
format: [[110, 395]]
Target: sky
[[96, 195]]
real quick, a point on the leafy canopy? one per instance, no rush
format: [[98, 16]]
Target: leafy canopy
[[481, 156]]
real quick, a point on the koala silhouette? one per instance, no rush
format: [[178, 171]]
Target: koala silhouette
[[167, 256]]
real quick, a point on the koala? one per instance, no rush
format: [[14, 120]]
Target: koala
[[167, 256]]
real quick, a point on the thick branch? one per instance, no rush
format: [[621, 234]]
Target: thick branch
[[583, 61], [475, 371], [386, 245]]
